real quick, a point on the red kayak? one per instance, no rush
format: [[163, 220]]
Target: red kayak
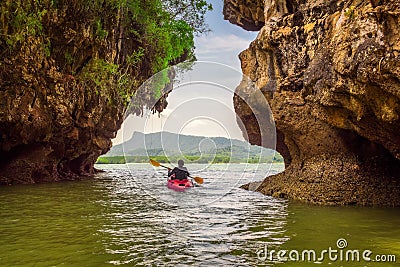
[[179, 185]]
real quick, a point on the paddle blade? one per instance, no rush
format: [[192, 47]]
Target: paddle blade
[[199, 180], [155, 163]]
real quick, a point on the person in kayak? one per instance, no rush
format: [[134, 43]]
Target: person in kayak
[[180, 172]]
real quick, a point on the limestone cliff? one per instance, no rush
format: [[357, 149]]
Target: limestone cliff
[[67, 71], [331, 73]]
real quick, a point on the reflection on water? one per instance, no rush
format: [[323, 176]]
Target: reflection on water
[[164, 226], [111, 220], [319, 227]]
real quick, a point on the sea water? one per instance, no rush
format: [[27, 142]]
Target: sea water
[[126, 216]]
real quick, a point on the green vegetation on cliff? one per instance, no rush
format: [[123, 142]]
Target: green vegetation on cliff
[[68, 70], [145, 37]]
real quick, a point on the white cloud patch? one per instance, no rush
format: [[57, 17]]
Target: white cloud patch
[[216, 43]]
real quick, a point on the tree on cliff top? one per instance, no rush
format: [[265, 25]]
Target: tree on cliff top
[[190, 11]]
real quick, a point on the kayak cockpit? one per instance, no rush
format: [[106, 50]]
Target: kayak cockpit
[[179, 185]]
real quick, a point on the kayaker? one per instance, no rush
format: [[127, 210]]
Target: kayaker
[[180, 172]]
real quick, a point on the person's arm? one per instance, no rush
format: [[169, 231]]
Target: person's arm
[[188, 174], [173, 172]]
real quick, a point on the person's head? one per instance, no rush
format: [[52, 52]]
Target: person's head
[[181, 163]]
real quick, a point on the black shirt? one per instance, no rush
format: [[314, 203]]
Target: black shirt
[[179, 173]]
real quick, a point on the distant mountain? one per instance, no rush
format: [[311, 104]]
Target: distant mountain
[[171, 144]]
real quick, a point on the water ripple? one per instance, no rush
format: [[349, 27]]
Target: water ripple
[[145, 230]]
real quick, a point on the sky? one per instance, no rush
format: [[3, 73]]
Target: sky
[[225, 41], [202, 102]]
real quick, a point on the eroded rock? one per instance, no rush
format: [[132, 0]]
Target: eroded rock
[[55, 117], [330, 71], [248, 14]]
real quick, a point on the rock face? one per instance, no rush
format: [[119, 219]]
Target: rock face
[[331, 73], [60, 105], [247, 14]]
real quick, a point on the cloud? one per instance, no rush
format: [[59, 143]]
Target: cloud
[[220, 43]]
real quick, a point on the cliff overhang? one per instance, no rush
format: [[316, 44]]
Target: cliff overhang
[[67, 73]]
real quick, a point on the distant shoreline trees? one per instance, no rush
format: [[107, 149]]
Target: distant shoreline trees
[[205, 159]]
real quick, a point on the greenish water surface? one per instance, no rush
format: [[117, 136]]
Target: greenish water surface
[[127, 217]]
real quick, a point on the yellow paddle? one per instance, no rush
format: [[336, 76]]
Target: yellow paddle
[[198, 180]]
